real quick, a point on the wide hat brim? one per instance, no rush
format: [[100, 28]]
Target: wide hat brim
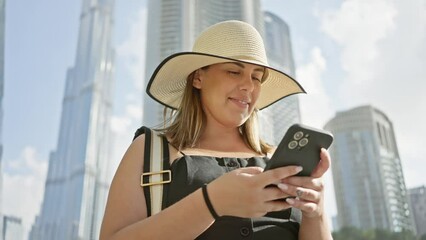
[[169, 79]]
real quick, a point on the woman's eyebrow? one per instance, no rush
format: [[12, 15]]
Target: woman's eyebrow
[[259, 69]]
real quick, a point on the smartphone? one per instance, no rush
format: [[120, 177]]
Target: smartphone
[[301, 146]]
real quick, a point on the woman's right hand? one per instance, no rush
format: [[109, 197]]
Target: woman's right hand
[[244, 192]]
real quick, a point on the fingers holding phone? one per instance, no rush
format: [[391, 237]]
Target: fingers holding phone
[[308, 194], [323, 165], [308, 191], [304, 146]]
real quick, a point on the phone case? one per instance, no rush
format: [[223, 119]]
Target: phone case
[[301, 146]]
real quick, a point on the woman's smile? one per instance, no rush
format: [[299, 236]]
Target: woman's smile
[[240, 103]]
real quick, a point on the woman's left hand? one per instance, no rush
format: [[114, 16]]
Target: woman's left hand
[[309, 191]]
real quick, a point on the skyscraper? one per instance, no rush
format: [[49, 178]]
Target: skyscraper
[[367, 173], [2, 19], [276, 119], [173, 26], [418, 207], [77, 183]]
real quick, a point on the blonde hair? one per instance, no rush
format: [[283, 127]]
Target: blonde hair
[[187, 122]]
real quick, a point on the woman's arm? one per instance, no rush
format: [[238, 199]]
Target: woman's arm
[[126, 214]]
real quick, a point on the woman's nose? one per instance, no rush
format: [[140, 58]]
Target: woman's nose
[[247, 83]]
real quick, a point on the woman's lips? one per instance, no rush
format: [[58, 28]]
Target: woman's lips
[[240, 103]]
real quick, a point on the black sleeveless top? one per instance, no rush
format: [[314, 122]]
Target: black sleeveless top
[[189, 173]]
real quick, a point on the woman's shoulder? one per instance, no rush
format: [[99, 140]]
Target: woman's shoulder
[[138, 143], [132, 156]]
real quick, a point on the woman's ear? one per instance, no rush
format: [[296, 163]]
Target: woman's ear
[[197, 79]]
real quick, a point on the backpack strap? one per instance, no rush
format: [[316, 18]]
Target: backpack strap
[[156, 170]]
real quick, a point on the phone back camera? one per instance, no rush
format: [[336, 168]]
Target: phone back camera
[[293, 144], [298, 135], [303, 142]]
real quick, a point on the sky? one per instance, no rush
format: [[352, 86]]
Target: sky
[[348, 53]]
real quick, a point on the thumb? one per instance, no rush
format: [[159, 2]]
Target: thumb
[[323, 165]]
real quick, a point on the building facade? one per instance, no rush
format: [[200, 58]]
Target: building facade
[[2, 37], [367, 173], [276, 119], [173, 26], [418, 207], [12, 228], [77, 182]]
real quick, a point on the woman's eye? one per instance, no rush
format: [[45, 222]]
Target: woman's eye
[[233, 72], [257, 78]]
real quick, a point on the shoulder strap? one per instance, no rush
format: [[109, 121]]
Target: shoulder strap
[[156, 171], [296, 215]]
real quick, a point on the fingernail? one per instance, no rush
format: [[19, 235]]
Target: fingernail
[[282, 186], [290, 201], [299, 168]]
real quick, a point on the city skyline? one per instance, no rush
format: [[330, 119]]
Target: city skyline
[[77, 181], [336, 65]]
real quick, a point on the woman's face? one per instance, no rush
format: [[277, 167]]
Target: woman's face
[[229, 91]]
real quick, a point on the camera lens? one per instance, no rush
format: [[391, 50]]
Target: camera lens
[[298, 135], [292, 145], [303, 142]]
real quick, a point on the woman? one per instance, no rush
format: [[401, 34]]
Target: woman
[[218, 188]]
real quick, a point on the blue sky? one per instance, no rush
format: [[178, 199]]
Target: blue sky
[[347, 52]]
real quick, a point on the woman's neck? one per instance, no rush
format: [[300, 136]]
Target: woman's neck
[[222, 140]]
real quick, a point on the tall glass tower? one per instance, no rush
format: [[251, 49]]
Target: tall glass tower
[[276, 119], [77, 183], [173, 26], [367, 173], [2, 19]]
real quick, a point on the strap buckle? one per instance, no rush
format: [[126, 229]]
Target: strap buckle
[[146, 184]]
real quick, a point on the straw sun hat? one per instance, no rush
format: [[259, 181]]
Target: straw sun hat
[[229, 41]]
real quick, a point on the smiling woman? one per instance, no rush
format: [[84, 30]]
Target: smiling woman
[[229, 91], [212, 153]]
